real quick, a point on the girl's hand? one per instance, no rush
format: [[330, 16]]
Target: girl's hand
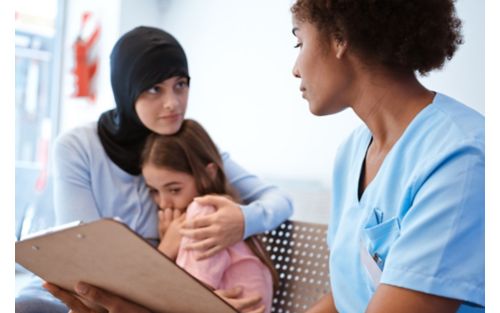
[[171, 238], [217, 231], [244, 305], [165, 217], [96, 300]]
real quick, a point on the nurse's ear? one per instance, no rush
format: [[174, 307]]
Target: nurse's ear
[[339, 47]]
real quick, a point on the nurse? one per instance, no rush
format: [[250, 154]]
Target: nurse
[[407, 223]]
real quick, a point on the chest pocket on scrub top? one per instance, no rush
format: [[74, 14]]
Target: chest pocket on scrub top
[[379, 235]]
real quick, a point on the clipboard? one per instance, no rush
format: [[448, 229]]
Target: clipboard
[[108, 254]]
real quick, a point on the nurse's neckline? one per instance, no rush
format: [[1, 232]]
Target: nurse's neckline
[[362, 191]]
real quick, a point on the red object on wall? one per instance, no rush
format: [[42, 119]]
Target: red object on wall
[[86, 61]]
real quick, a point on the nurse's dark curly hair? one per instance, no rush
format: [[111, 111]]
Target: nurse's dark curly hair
[[414, 35]]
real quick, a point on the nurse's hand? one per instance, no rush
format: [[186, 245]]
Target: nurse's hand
[[94, 300], [244, 305], [216, 231]]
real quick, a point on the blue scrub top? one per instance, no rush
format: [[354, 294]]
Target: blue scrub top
[[422, 215]]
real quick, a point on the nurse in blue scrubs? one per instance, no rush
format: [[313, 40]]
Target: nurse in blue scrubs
[[407, 223]]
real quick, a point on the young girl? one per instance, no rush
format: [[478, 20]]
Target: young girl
[[177, 169]]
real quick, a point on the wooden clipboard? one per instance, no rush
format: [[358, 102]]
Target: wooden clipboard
[[108, 254]]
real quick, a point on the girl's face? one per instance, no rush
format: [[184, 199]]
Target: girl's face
[[162, 108], [170, 189], [325, 74]]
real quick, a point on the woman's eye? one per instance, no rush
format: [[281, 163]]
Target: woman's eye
[[298, 45], [153, 191], [182, 84], [154, 90]]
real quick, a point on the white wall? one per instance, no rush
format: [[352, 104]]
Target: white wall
[[240, 56], [463, 78], [134, 13]]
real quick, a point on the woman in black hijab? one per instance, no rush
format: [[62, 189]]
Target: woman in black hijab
[[97, 170], [142, 58]]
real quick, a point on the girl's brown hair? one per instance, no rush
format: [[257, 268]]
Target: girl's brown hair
[[190, 151]]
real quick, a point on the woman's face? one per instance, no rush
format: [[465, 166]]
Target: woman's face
[[170, 189], [324, 71], [162, 107]]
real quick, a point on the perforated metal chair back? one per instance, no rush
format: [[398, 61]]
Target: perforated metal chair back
[[300, 255]]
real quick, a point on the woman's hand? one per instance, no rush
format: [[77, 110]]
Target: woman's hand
[[169, 225], [96, 300], [244, 305], [217, 231]]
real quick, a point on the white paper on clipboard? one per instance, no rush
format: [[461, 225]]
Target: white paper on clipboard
[[370, 265]]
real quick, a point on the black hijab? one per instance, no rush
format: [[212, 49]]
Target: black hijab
[[142, 58]]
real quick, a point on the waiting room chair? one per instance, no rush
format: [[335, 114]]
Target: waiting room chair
[[300, 255]]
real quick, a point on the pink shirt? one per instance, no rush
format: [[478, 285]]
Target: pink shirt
[[234, 266]]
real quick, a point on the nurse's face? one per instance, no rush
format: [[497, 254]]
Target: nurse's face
[[325, 74], [162, 107]]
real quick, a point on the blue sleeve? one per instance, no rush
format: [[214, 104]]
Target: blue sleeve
[[73, 198], [440, 248], [266, 206]]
